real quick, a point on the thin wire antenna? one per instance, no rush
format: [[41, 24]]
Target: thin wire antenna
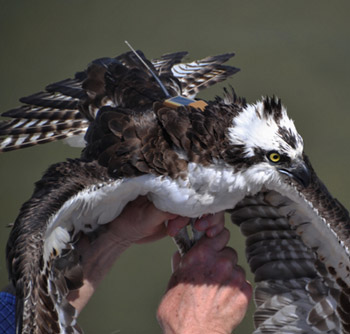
[[153, 74]]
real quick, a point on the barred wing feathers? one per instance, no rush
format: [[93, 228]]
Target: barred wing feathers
[[45, 116], [66, 108], [294, 292], [200, 74]]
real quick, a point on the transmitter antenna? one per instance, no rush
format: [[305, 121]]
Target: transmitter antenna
[[175, 101], [167, 95]]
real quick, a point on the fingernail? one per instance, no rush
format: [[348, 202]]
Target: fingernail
[[203, 224]]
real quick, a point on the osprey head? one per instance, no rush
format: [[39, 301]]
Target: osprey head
[[270, 143]]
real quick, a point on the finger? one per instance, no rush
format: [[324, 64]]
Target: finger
[[208, 221], [176, 224], [230, 275], [205, 250], [152, 214], [230, 254], [216, 229], [217, 243], [238, 277], [225, 267], [145, 207], [247, 289]]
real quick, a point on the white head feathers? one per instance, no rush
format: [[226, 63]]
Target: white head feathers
[[266, 125]]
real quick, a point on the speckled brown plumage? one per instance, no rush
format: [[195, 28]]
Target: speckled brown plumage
[[67, 107], [25, 256], [131, 143]]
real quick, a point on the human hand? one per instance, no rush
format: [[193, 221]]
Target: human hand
[[139, 222], [142, 222], [207, 292]]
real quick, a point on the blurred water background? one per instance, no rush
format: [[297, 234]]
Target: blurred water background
[[297, 50]]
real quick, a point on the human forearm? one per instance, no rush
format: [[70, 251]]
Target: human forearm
[[139, 222], [97, 258]]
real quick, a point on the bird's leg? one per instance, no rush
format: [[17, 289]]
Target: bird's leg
[[196, 235], [183, 241]]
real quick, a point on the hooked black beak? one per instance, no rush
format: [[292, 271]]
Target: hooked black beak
[[300, 172]]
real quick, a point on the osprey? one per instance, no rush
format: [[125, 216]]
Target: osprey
[[245, 158]]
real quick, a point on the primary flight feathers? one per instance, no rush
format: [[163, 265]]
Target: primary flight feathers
[[67, 107]]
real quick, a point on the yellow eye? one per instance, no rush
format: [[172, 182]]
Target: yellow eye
[[274, 157]]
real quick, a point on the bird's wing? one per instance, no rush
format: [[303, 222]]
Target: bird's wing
[[65, 109], [45, 116], [291, 294], [42, 262], [166, 62], [200, 74]]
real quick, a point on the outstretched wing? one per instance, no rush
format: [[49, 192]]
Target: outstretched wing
[[200, 74], [197, 75], [64, 110], [291, 295], [45, 116]]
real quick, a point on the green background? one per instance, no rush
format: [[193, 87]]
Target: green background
[[298, 50]]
